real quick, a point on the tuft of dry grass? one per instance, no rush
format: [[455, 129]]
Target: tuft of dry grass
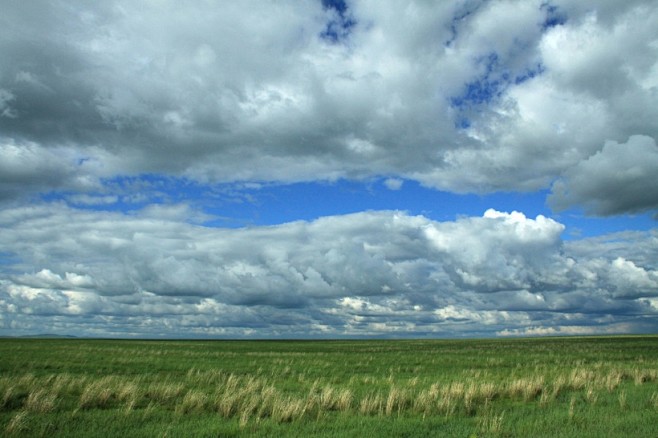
[[641, 376], [227, 404], [527, 388], [487, 391], [40, 401], [256, 397], [579, 378], [287, 409], [426, 400], [96, 395], [371, 404], [345, 399], [395, 400], [129, 393], [654, 400], [193, 401], [8, 397], [164, 392], [18, 423], [572, 407], [491, 424], [613, 379], [328, 398]]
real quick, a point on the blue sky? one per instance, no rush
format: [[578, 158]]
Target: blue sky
[[329, 169]]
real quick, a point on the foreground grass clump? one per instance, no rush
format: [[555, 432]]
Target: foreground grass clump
[[527, 387]]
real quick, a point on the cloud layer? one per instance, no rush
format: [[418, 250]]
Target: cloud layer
[[461, 96], [372, 273], [122, 123]]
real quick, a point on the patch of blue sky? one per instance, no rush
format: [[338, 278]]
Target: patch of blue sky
[[489, 87], [9, 259], [466, 9], [339, 5], [128, 193], [579, 226], [554, 16], [529, 73], [337, 29], [495, 79], [462, 122], [237, 205], [276, 204]]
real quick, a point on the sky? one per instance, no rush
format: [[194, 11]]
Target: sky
[[328, 169]]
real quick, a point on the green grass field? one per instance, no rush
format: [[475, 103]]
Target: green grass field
[[553, 387]]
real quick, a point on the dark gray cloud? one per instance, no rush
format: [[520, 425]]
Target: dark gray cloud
[[361, 274], [619, 178]]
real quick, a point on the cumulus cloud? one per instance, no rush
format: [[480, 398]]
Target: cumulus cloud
[[619, 178], [105, 106], [361, 274], [27, 167], [466, 97]]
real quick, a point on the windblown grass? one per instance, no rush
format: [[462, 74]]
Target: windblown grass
[[573, 387]]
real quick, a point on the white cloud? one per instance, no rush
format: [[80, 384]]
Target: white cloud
[[459, 96], [631, 280], [591, 83], [46, 279], [393, 183], [351, 275], [102, 102], [568, 330], [84, 199]]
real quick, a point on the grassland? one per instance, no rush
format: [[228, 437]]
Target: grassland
[[558, 387]]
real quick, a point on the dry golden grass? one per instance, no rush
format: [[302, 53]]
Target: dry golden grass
[[193, 401], [287, 409], [255, 397], [572, 407], [491, 424], [526, 388], [591, 396], [371, 404], [17, 423], [7, 397], [41, 401], [96, 395], [164, 392], [641, 376], [345, 398]]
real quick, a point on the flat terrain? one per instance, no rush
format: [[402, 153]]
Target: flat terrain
[[558, 387]]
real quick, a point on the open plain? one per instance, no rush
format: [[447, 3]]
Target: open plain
[[560, 387]]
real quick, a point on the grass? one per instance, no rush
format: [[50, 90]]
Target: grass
[[567, 387]]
